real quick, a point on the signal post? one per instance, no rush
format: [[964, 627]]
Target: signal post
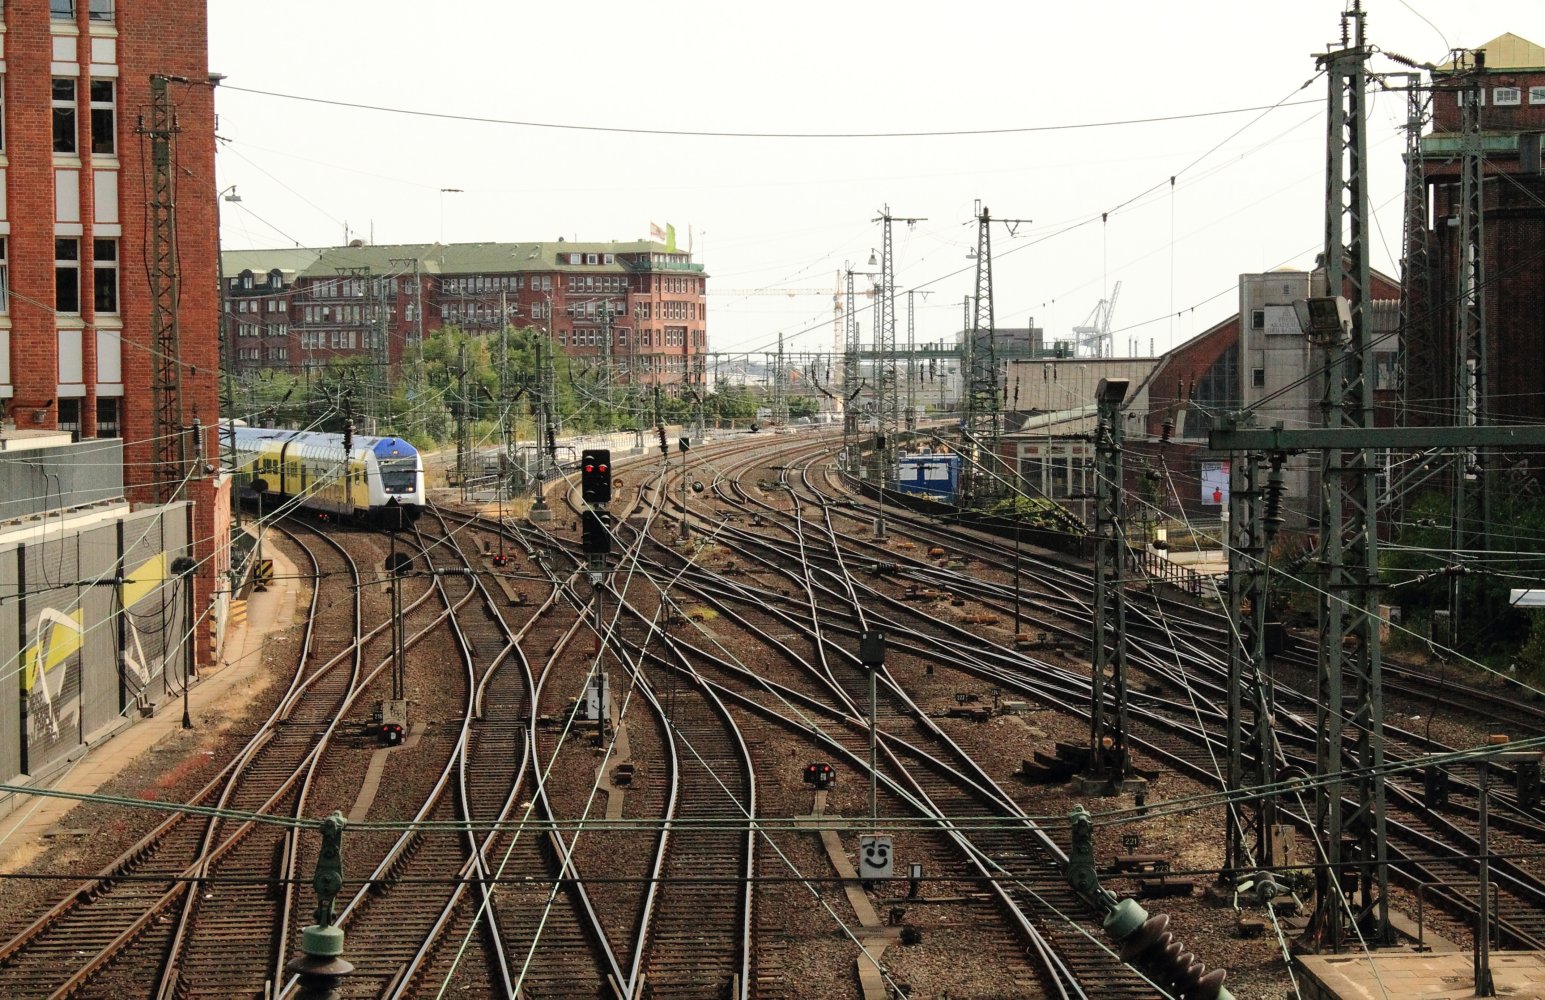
[[595, 489]]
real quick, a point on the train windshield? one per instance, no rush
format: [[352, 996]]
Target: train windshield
[[398, 475]]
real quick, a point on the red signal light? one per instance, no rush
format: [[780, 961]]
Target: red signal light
[[589, 468], [603, 468]]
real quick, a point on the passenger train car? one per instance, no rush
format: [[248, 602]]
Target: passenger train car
[[313, 468]]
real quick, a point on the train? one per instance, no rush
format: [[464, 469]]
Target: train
[[366, 481]]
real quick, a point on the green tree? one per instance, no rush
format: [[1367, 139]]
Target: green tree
[[1418, 570], [803, 406]]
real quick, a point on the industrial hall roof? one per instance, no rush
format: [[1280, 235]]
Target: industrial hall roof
[[1507, 52]]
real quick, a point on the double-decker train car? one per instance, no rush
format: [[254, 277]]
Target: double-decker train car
[[374, 475]]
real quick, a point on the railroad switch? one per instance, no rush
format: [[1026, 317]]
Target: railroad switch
[[1041, 640]]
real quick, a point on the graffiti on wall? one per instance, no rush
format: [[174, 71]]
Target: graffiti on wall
[[52, 664]]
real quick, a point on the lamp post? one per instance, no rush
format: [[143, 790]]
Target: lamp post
[[544, 428], [229, 360], [259, 486], [685, 532], [184, 566], [871, 653], [443, 193]]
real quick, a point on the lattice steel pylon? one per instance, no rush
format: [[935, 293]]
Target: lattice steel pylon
[[780, 385], [850, 375], [887, 388], [167, 444], [1419, 362], [981, 400], [983, 416], [1110, 754], [1350, 687], [1254, 515], [1470, 512]]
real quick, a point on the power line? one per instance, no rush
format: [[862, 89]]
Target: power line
[[573, 127]]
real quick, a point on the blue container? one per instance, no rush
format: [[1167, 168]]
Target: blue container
[[929, 475]]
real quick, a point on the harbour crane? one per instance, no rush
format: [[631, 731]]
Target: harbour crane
[[1093, 339]]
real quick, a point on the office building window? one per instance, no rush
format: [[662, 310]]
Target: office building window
[[67, 275], [69, 417], [104, 272], [62, 10], [101, 10], [107, 417], [64, 116], [5, 277], [104, 118]]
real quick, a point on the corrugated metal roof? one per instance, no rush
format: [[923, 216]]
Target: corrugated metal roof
[[1507, 51]]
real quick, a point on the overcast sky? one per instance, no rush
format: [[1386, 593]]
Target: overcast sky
[[772, 212]]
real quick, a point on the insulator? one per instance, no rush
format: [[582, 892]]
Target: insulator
[[1275, 487], [1151, 946], [1167, 430], [1150, 934]]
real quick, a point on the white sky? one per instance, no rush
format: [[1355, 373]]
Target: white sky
[[785, 212]]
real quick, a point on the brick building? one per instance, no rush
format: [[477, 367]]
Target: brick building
[[1256, 359], [297, 308], [1509, 74], [76, 338]]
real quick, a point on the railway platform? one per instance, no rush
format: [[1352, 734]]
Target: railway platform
[[1418, 976], [26, 832]]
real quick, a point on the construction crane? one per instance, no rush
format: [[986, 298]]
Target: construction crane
[[1093, 339]]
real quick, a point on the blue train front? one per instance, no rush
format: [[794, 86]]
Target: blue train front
[[313, 470]]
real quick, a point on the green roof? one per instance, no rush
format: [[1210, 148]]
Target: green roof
[[289, 261]]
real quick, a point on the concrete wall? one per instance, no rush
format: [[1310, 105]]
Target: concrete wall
[[42, 479], [91, 625]]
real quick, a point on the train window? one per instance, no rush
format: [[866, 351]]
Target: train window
[[398, 475]]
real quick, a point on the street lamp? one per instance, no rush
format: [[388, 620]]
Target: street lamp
[[183, 566], [229, 349], [871, 655], [443, 193], [545, 420]]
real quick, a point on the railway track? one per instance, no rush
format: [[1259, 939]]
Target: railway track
[[1047, 887], [97, 923]]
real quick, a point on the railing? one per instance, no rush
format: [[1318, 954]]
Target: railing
[[1156, 567], [668, 265]]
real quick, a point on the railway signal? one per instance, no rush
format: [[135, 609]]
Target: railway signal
[[1435, 787], [595, 475], [820, 774], [392, 712], [595, 539], [1528, 784]]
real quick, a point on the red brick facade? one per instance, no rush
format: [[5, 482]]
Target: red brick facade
[[1512, 119], [651, 300], [67, 366]]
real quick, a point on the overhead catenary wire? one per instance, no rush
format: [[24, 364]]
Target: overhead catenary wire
[[706, 133]]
